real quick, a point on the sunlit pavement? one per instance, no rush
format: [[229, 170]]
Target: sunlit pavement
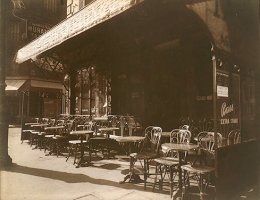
[[34, 176]]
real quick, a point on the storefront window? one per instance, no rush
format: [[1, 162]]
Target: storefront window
[[93, 92]]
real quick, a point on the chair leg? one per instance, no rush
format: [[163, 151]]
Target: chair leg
[[145, 173], [69, 151], [57, 149], [161, 180], [156, 174], [45, 144], [171, 180], [75, 154]]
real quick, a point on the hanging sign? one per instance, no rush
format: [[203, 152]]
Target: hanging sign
[[34, 30], [222, 91]]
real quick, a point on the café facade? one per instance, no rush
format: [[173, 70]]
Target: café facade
[[155, 60]]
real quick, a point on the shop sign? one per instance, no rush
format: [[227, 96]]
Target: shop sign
[[222, 91], [228, 113], [35, 30]]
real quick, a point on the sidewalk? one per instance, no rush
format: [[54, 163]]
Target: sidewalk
[[34, 176]]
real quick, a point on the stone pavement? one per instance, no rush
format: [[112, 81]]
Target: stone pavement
[[34, 176]]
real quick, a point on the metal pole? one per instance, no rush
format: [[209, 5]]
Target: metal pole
[[81, 91], [4, 157], [214, 62], [22, 112], [90, 91]]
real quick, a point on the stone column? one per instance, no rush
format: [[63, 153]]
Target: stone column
[[5, 159]]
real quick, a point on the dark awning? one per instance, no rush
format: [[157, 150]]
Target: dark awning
[[92, 15]]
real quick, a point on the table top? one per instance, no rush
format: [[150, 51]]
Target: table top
[[179, 147], [108, 129], [100, 119], [38, 125], [130, 139], [31, 123], [81, 132], [54, 127], [207, 139], [166, 134]]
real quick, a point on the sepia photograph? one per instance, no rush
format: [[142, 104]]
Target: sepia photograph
[[129, 99]]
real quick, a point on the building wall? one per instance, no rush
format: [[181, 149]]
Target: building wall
[[73, 6], [27, 20]]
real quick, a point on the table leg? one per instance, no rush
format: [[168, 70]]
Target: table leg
[[180, 171], [81, 153], [81, 161], [133, 178], [178, 193]]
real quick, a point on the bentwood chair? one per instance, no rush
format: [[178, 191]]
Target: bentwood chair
[[169, 162], [75, 142], [202, 168], [234, 137], [149, 151]]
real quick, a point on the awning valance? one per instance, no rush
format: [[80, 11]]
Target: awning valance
[[46, 84], [93, 14], [12, 86]]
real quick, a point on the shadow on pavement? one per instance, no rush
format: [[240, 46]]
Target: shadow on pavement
[[71, 177]]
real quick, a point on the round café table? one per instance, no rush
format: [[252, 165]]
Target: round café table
[[108, 130], [128, 143], [180, 148], [55, 131], [38, 134], [82, 134]]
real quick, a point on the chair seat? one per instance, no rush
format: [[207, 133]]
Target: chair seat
[[143, 155], [49, 136], [169, 161], [42, 133], [28, 130], [59, 137], [98, 138], [77, 141], [198, 169]]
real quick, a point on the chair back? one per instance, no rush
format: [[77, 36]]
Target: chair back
[[89, 126], [206, 141], [180, 136], [60, 122], [153, 138], [206, 154], [51, 122], [234, 137]]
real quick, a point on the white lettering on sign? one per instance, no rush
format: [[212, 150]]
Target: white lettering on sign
[[222, 91], [234, 121], [226, 109], [224, 121], [229, 121]]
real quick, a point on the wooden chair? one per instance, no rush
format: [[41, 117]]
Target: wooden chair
[[202, 168], [75, 142], [234, 137], [168, 164], [149, 151]]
